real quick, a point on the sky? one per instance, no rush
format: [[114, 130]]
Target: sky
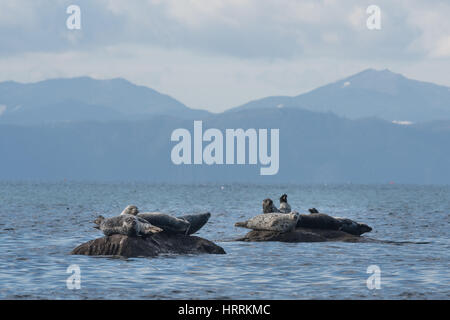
[[218, 54]]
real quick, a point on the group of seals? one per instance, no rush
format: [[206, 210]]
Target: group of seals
[[132, 223], [273, 219], [166, 222], [269, 207]]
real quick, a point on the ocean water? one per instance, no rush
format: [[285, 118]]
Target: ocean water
[[42, 222]]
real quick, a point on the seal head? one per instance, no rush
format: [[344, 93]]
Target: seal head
[[268, 206], [284, 205], [131, 209]]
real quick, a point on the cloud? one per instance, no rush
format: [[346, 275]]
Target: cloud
[[2, 109], [403, 122], [216, 54], [282, 29]]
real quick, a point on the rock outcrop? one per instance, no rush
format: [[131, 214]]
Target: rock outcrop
[[161, 243], [302, 235]]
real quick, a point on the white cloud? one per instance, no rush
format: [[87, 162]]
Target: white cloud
[[403, 122], [2, 109], [216, 54], [433, 26], [442, 48]]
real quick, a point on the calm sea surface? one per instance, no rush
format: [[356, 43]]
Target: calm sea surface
[[42, 222]]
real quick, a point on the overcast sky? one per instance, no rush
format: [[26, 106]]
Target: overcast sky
[[217, 54]]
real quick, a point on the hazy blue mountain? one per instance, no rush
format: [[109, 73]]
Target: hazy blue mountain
[[314, 148], [370, 93], [86, 129], [436, 126], [84, 98]]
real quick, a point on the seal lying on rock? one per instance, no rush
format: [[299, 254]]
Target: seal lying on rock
[[268, 206], [279, 222], [324, 221], [318, 221], [187, 224], [353, 227], [126, 225], [166, 222], [131, 209], [197, 221], [284, 205]]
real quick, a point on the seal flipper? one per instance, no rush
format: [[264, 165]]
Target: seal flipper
[[196, 221], [241, 224], [149, 229]]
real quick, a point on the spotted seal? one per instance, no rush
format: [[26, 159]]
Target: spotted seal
[[284, 205], [167, 222], [318, 221], [353, 227], [280, 222], [131, 209], [197, 221], [125, 224], [268, 206], [324, 221]]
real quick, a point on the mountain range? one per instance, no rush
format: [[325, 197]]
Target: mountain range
[[84, 99], [370, 93], [86, 129]]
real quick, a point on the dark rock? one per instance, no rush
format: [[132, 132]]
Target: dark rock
[[302, 235], [120, 245]]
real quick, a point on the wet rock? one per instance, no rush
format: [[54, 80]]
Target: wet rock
[[302, 235], [121, 245]]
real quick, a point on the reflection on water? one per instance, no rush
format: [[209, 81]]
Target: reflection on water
[[41, 222]]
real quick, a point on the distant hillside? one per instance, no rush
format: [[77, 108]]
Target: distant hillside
[[314, 148], [86, 129], [83, 99], [370, 93]]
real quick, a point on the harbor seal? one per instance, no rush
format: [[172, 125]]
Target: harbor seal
[[324, 221], [197, 221], [318, 221], [353, 227], [125, 224], [268, 206], [279, 222], [167, 222], [131, 209], [284, 205]]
